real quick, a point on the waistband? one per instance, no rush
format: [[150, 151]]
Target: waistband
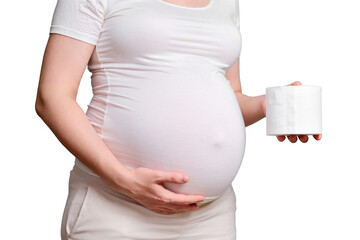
[[97, 181]]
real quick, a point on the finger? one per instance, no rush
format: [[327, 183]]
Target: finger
[[281, 138], [171, 206], [173, 177], [190, 208], [318, 136], [296, 83], [292, 138], [263, 105], [303, 138], [165, 212], [172, 209], [181, 199], [181, 208]]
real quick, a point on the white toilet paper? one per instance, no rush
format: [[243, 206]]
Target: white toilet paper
[[293, 110]]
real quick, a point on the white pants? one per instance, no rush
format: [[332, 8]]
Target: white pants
[[93, 212]]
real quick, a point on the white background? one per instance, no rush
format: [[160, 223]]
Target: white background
[[284, 191]]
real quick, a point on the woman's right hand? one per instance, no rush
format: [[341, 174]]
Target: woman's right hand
[[145, 186]]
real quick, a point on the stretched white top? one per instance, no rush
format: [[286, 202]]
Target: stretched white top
[[161, 99]]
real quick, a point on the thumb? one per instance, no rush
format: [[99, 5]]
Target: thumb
[[173, 177], [296, 83], [263, 105]]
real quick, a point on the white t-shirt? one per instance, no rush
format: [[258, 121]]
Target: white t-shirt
[[161, 99]]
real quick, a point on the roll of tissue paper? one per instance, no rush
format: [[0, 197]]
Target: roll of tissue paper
[[293, 110]]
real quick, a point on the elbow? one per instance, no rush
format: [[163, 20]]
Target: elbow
[[246, 123], [47, 103], [39, 106]]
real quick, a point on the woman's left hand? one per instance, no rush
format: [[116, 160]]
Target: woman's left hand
[[291, 138]]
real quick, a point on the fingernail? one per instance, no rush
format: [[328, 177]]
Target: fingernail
[[185, 178]]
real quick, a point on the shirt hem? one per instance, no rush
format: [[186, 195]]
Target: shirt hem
[[73, 34]]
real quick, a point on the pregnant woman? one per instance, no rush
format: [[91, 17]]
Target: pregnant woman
[[164, 134]]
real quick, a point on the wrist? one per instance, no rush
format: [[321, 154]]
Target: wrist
[[263, 105], [120, 179]]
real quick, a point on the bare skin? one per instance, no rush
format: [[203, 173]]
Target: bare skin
[[187, 3], [254, 108], [64, 62]]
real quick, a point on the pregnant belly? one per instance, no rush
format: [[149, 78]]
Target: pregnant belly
[[188, 124]]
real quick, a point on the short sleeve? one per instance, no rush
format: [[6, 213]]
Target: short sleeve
[[80, 19], [236, 14]]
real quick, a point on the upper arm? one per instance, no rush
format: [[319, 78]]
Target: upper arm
[[233, 75], [64, 62], [233, 72], [74, 31]]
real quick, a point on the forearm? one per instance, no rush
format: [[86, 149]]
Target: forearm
[[251, 107], [71, 126]]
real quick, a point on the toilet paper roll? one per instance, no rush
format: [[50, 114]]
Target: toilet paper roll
[[293, 110]]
